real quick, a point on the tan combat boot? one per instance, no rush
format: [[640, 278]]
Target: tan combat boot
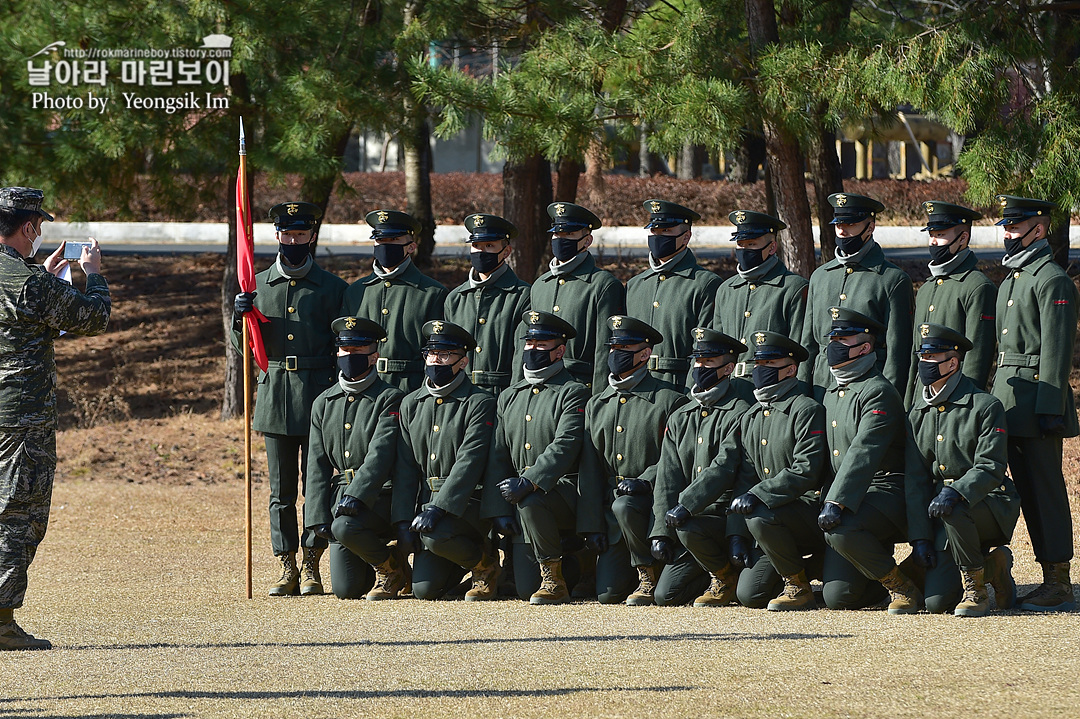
[[552, 585], [14, 638], [721, 590], [903, 592], [312, 583], [1055, 594], [976, 601], [797, 595], [485, 579], [643, 595], [290, 577], [391, 577], [997, 569]]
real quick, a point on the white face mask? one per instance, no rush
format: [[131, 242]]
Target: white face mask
[[36, 245]]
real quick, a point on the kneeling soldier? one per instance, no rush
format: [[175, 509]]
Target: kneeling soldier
[[534, 460], [700, 461], [624, 426], [783, 438], [446, 428], [354, 435], [863, 514], [959, 452]]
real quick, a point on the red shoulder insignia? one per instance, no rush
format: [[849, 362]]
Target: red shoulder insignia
[[878, 411], [988, 317], [1061, 302], [817, 431], [999, 429]]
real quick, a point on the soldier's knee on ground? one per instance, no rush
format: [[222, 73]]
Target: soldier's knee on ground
[[350, 576], [942, 603], [858, 594], [756, 595]]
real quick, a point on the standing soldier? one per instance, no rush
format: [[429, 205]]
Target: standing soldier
[[863, 515], [301, 300], [700, 462], [956, 294], [1036, 328], [534, 460], [958, 456], [490, 304], [783, 439], [397, 296], [37, 307], [675, 293], [446, 428], [354, 435], [624, 427], [764, 294], [861, 279], [582, 295]]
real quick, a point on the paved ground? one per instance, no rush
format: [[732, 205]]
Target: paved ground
[[140, 587]]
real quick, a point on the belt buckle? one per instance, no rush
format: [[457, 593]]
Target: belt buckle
[[948, 482], [350, 474], [290, 363], [740, 369], [381, 365], [473, 376], [654, 362], [1001, 358]]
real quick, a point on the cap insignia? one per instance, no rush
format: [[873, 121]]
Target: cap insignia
[[292, 208], [437, 327], [924, 331], [350, 322], [654, 206], [560, 209], [616, 323], [699, 334], [383, 216], [835, 311], [929, 208], [760, 338], [478, 221], [841, 200], [534, 318], [740, 217]]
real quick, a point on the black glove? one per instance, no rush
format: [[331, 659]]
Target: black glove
[[506, 526], [744, 504], [348, 506], [408, 541], [1051, 425], [663, 550], [597, 542], [323, 531], [830, 516], [943, 504], [922, 551], [677, 516], [425, 522], [244, 302], [632, 487], [515, 489], [739, 551]]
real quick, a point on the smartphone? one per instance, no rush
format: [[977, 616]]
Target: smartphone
[[73, 250]]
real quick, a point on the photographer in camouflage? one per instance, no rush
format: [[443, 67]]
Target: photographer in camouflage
[[35, 307]]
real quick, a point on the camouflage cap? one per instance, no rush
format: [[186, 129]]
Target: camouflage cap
[[23, 198]]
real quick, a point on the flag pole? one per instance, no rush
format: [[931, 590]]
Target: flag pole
[[242, 233]]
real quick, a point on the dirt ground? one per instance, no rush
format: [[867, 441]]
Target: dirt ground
[[140, 586]]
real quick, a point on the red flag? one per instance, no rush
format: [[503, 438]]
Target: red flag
[[245, 264]]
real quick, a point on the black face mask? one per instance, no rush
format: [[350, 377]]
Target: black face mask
[[440, 374], [929, 372], [940, 254], [1016, 244], [564, 249], [749, 259], [663, 245], [850, 245], [764, 376], [353, 365], [837, 353], [485, 262], [705, 377], [295, 255], [620, 362], [538, 359], [389, 256]]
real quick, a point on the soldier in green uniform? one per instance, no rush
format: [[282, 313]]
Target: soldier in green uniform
[[956, 294], [397, 296], [37, 307], [534, 460], [1036, 328], [577, 291], [863, 514], [675, 293], [958, 495], [354, 435], [490, 304], [860, 278], [764, 293], [700, 463], [624, 428], [783, 440], [301, 300], [446, 433]]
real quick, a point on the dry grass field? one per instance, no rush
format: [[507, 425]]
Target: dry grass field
[[140, 586]]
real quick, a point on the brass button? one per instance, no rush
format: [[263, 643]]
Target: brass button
[[292, 310], [834, 423], [941, 282], [1009, 303], [618, 428], [291, 337], [655, 304], [841, 393], [850, 270], [836, 453], [555, 308], [346, 453], [479, 349], [663, 277], [292, 283], [622, 400], [439, 400], [940, 438], [766, 470], [746, 314], [941, 408], [931, 308], [699, 470], [1016, 275], [843, 296], [700, 440], [704, 413], [764, 442], [1005, 331], [433, 455], [384, 339], [743, 340], [387, 283], [753, 287], [348, 425], [562, 282], [941, 467], [481, 320], [618, 457], [435, 428], [766, 413], [528, 446], [385, 311], [536, 390], [351, 398], [528, 418], [1036, 376]]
